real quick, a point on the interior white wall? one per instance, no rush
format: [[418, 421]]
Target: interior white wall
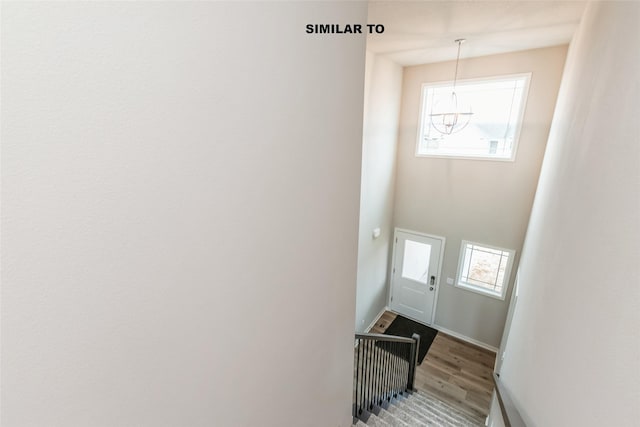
[[482, 201], [574, 345], [383, 84], [495, 418], [180, 187]]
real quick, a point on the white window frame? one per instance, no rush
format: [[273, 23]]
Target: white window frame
[[479, 289], [516, 137]]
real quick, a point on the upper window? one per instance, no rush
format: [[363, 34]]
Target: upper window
[[484, 269], [497, 105]]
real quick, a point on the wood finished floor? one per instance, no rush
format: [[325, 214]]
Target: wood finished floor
[[455, 371]]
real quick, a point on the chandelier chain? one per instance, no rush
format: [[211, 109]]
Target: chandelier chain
[[455, 75]]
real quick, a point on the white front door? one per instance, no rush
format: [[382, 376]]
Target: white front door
[[415, 275]]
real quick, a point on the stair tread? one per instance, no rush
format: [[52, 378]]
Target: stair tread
[[445, 412], [426, 397], [421, 409], [376, 421], [409, 418], [393, 419], [424, 416]]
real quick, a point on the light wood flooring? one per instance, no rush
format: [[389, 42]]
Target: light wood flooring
[[453, 370]]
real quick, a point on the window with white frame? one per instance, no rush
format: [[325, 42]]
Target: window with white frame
[[484, 269], [492, 133]]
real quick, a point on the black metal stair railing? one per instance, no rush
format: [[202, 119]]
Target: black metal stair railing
[[384, 369]]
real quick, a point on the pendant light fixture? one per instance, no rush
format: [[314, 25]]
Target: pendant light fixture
[[449, 115]]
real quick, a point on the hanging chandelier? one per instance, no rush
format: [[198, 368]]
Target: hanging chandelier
[[449, 115]]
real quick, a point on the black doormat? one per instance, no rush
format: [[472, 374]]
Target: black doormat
[[404, 327]]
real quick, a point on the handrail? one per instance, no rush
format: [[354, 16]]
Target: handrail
[[383, 337], [384, 370], [510, 414]]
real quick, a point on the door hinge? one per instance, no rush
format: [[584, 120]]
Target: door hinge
[[396, 240], [391, 298]]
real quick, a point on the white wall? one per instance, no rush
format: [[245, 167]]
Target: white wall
[[180, 186], [482, 201], [383, 84], [573, 352], [495, 418]]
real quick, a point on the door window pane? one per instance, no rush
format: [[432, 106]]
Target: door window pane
[[415, 264]]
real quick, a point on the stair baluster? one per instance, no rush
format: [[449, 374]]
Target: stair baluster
[[384, 371]]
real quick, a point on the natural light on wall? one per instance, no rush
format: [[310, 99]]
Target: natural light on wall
[[498, 105]]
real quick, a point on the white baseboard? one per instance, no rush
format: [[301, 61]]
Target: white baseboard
[[465, 338], [373, 322], [441, 329]]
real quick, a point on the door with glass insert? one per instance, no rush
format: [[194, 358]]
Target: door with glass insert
[[415, 275]]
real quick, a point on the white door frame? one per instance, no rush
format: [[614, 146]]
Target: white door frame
[[393, 266]]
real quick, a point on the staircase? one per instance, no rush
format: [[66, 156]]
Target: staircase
[[420, 409], [384, 393]]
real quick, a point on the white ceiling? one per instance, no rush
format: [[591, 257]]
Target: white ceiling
[[419, 32]]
